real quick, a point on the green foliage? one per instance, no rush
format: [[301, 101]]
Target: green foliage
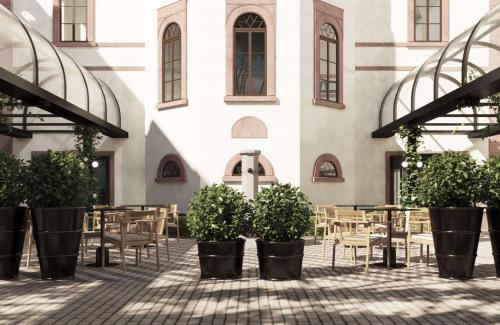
[[452, 179], [491, 172], [412, 138], [8, 105], [218, 213], [493, 100], [282, 213], [12, 181], [57, 179]]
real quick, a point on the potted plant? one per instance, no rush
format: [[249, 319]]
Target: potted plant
[[13, 218], [217, 216], [449, 186], [281, 219], [57, 192], [492, 199]]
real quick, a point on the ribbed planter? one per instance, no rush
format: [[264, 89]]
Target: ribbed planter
[[280, 260], [13, 223], [58, 232], [456, 234], [493, 216], [221, 259]]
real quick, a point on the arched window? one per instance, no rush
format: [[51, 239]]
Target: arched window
[[232, 172], [249, 55], [172, 63], [327, 169], [328, 63], [237, 170], [170, 169]]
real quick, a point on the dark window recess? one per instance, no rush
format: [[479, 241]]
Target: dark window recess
[[73, 20], [327, 169], [171, 169], [428, 20], [250, 55], [328, 69], [172, 63], [103, 177], [237, 170]]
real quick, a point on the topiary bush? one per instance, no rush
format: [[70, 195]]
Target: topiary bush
[[58, 179], [218, 213], [451, 179], [12, 181], [491, 172], [282, 213]]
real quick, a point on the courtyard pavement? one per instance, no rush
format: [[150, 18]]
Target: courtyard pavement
[[176, 295]]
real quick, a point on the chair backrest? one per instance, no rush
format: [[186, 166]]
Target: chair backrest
[[419, 221], [350, 222], [162, 215], [172, 212], [323, 211]]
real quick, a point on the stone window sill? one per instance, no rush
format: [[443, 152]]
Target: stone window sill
[[181, 179], [328, 179], [327, 103], [75, 44], [173, 104], [237, 179], [426, 44], [251, 99]]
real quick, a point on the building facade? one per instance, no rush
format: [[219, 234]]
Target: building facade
[[300, 80]]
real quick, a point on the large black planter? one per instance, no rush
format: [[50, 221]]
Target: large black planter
[[456, 236], [493, 216], [221, 259], [280, 260], [13, 223], [57, 235]]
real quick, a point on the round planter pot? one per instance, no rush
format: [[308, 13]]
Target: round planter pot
[[13, 223], [58, 232], [493, 216], [221, 259], [456, 236], [280, 260]]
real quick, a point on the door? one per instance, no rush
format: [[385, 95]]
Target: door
[[103, 175]]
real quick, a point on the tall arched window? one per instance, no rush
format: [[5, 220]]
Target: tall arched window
[[249, 55], [172, 63], [328, 63]]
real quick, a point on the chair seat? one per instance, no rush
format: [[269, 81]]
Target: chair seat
[[131, 237], [399, 234], [421, 237], [361, 238]]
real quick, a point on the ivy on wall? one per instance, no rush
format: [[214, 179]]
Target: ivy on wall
[[412, 139]]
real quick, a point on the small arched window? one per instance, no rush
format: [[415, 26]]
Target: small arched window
[[250, 55], [172, 63], [232, 172], [328, 63], [170, 169], [237, 169], [327, 169]]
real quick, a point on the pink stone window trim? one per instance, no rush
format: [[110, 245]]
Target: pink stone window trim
[[445, 23], [249, 127], [265, 9], [266, 164], [56, 26], [327, 158], [328, 14], [173, 13], [7, 4], [159, 175]]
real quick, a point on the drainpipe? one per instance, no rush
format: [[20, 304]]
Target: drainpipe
[[249, 172]]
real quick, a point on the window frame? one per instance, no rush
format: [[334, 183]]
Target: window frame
[[268, 178], [445, 25], [57, 26], [328, 41], [428, 23], [161, 166], [172, 40], [327, 157]]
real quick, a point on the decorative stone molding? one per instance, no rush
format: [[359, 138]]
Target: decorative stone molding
[[173, 13], [56, 26], [267, 10], [6, 3], [171, 158], [325, 13], [249, 127], [266, 164], [445, 22], [317, 165]]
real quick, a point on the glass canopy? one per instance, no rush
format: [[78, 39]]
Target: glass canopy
[[468, 57], [27, 54]]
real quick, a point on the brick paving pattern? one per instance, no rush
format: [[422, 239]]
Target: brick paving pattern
[[175, 295]]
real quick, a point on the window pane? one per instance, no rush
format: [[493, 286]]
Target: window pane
[[81, 15], [258, 85], [67, 32], [258, 64], [67, 2], [171, 169], [167, 70], [327, 169], [434, 32], [434, 15], [323, 49], [177, 49], [80, 2], [323, 69], [333, 72], [323, 89], [168, 52], [421, 32], [177, 69], [167, 92], [177, 89], [80, 32], [240, 83], [333, 52], [258, 42], [241, 63], [435, 3], [241, 45], [67, 15], [420, 15], [421, 2], [332, 91]]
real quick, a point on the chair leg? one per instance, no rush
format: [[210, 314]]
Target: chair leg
[[136, 256], [406, 251], [427, 255], [367, 259], [333, 257], [408, 255], [147, 250], [178, 233], [421, 252], [324, 247], [355, 256], [157, 256], [168, 248], [315, 234], [122, 256]]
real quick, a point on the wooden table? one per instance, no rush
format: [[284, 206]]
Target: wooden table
[[143, 206], [389, 226], [355, 206]]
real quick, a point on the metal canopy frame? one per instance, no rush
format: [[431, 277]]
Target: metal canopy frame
[[450, 74], [50, 85]]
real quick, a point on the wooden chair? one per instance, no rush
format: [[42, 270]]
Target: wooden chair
[[137, 229], [320, 219], [353, 229], [160, 227], [88, 233], [419, 232], [172, 219]]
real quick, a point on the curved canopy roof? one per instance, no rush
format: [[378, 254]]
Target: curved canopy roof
[[45, 78], [471, 58]]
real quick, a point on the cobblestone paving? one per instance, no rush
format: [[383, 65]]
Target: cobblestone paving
[[175, 295]]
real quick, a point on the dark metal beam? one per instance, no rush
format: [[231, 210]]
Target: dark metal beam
[[15, 132], [485, 132], [22, 89], [479, 88]]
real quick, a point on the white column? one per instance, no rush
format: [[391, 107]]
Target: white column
[[249, 172]]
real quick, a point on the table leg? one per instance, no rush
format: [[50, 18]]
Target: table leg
[[389, 238], [103, 253]]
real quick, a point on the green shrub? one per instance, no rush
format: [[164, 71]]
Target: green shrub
[[491, 172], [451, 179], [58, 179], [12, 181], [282, 213], [218, 213]]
